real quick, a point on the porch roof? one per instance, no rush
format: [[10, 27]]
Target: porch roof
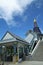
[[14, 39]]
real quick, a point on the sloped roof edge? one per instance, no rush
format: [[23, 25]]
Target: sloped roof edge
[[15, 36]]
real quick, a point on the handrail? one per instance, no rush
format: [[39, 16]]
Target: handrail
[[35, 48]]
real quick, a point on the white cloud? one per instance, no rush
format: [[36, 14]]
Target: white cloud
[[38, 3], [7, 7], [25, 18]]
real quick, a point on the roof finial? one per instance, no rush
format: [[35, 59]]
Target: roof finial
[[34, 20], [36, 28]]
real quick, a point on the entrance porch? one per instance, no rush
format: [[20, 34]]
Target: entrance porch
[[12, 51]]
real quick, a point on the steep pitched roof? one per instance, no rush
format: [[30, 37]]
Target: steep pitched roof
[[12, 36]]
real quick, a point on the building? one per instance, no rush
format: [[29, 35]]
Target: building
[[12, 47], [35, 39]]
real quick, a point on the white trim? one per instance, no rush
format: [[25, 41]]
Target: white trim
[[35, 47], [5, 41]]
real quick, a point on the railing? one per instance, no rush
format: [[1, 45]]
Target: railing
[[35, 47]]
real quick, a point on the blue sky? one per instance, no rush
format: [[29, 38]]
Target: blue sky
[[17, 16]]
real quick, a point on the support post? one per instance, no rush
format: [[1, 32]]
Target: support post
[[18, 51]]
